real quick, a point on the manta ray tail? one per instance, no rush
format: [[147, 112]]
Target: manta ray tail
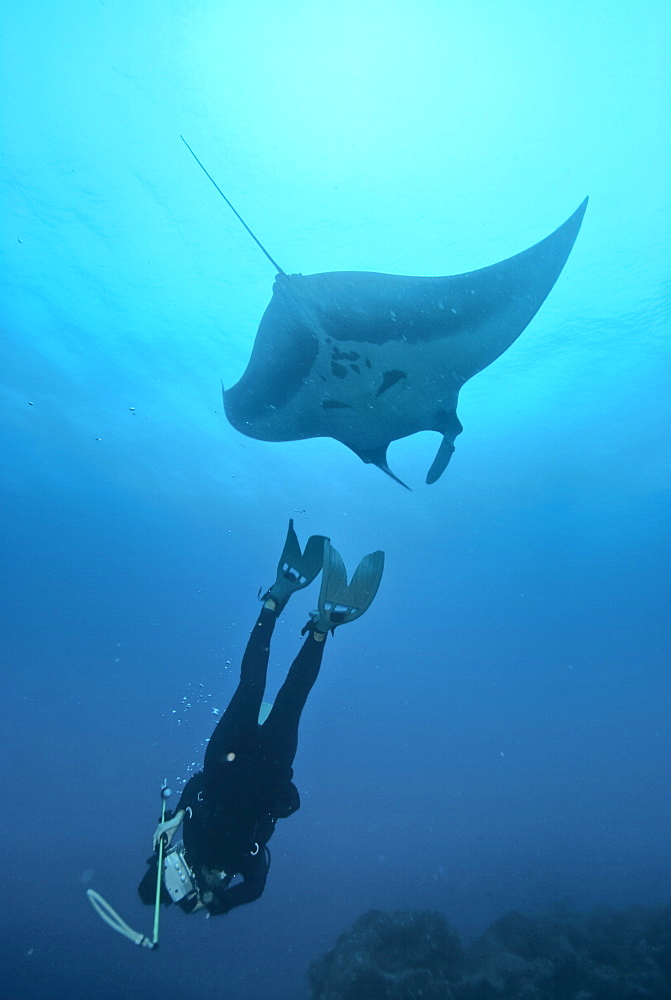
[[233, 209]]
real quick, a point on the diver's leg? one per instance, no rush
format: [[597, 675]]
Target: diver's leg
[[240, 720], [279, 733]]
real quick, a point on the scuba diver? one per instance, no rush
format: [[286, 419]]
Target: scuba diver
[[228, 811]]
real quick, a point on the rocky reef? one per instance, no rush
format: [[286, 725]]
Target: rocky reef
[[416, 955]]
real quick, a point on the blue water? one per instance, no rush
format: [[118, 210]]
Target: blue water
[[494, 733]]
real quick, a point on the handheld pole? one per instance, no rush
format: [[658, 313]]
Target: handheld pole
[[112, 918], [165, 795]]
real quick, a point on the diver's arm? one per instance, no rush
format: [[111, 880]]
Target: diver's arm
[[244, 892], [187, 800], [168, 827], [191, 792]]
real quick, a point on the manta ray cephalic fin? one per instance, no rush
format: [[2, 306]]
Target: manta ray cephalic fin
[[378, 457]]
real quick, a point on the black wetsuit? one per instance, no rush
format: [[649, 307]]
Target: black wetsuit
[[246, 784]]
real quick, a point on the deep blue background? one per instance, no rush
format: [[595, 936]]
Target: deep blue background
[[494, 732]]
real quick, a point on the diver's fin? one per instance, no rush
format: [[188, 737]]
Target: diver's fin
[[264, 711], [340, 602], [296, 569]]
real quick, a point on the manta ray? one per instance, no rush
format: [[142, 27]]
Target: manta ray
[[368, 358]]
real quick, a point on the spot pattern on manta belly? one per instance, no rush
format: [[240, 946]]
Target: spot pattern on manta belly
[[390, 378], [340, 370]]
